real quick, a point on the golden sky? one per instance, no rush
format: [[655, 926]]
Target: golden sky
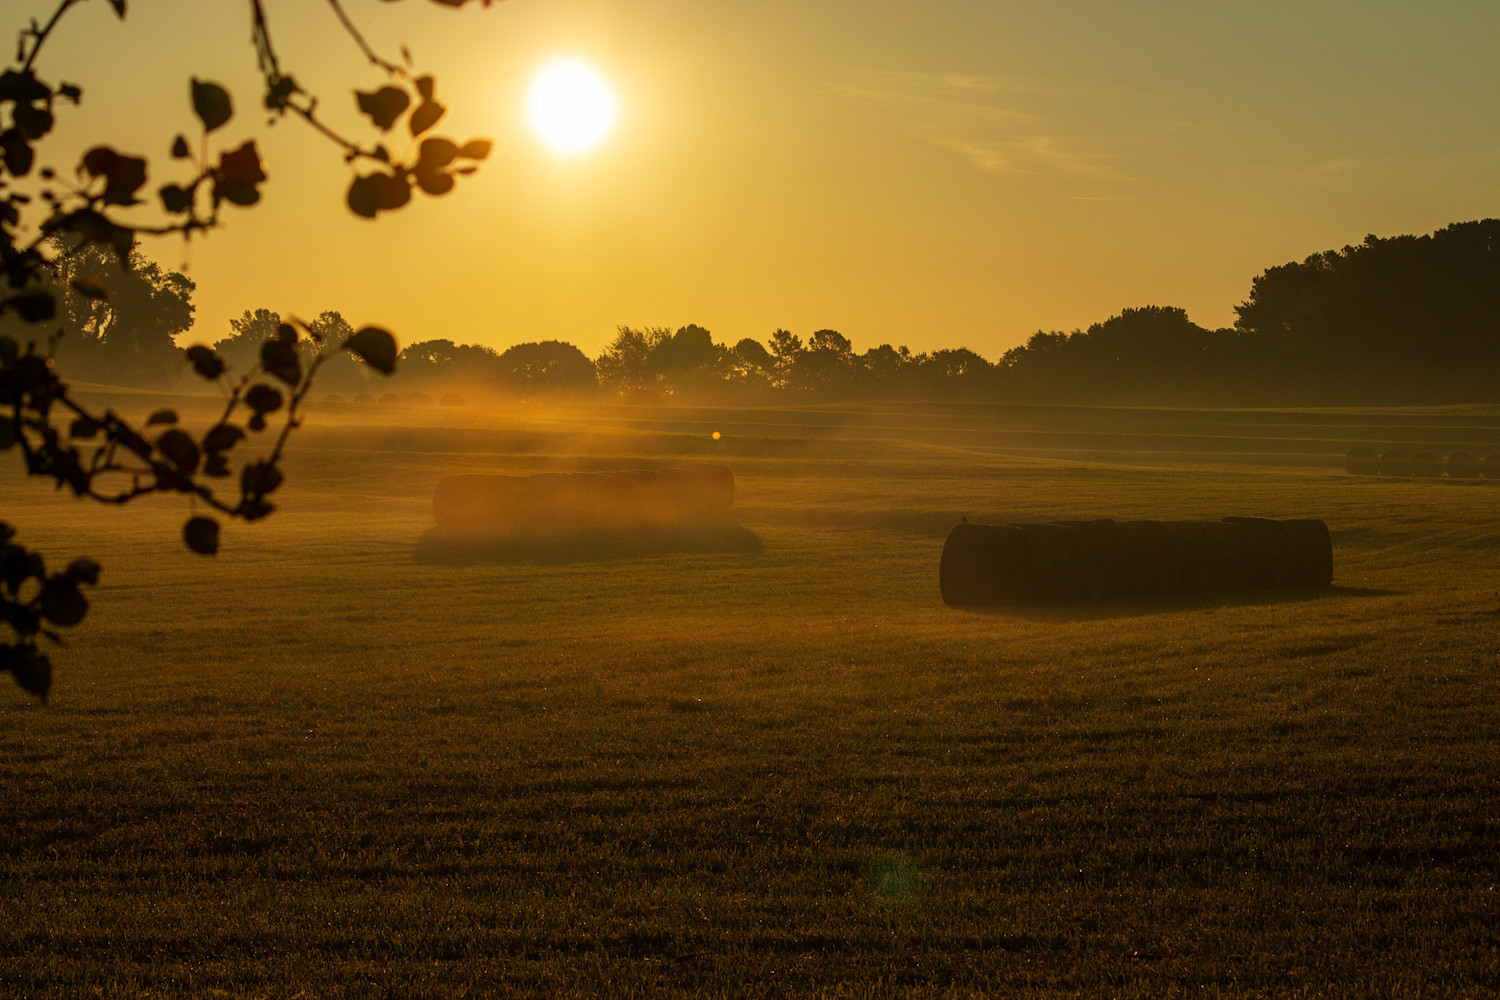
[[939, 174]]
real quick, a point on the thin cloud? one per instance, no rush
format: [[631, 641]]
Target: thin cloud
[[985, 119]]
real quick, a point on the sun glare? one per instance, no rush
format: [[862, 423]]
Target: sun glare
[[570, 106]]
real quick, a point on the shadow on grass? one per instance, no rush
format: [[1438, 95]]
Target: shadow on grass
[[560, 548], [1136, 607]]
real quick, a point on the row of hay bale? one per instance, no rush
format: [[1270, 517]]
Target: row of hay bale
[[985, 564], [555, 503], [391, 398], [1423, 464]]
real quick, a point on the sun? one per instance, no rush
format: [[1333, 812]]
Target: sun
[[570, 106]]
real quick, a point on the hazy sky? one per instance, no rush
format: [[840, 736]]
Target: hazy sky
[[938, 174]]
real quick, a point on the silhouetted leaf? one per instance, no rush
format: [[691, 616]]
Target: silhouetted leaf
[[83, 571], [375, 347], [435, 153], [475, 149], [391, 192], [435, 181], [119, 6], [180, 449], [32, 121], [82, 429], [205, 362], [201, 535], [162, 417], [238, 174], [279, 358], [216, 465], [180, 148], [279, 92], [123, 175], [259, 478], [34, 306], [22, 86], [222, 438], [211, 104], [89, 288], [424, 85], [428, 114], [262, 398], [175, 198], [256, 422], [7, 434], [363, 197], [70, 91], [383, 106], [16, 152], [62, 603], [32, 670]]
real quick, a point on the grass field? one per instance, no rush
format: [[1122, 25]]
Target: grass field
[[315, 766]]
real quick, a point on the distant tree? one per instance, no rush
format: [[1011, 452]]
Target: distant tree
[[689, 361], [119, 320], [549, 366], [625, 366], [241, 349], [786, 347], [826, 367], [1404, 319]]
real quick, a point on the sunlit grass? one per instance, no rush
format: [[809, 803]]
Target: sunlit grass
[[315, 765]]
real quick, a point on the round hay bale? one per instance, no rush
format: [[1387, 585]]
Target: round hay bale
[[700, 491], [1396, 462], [1427, 465], [364, 397], [1148, 556], [1101, 563], [1462, 465], [419, 398], [333, 397], [1053, 557], [1228, 554], [1266, 548], [389, 398], [1193, 555], [1361, 462], [1309, 553], [1492, 466], [984, 564], [451, 399]]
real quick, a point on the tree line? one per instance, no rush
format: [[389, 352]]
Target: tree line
[[1407, 319]]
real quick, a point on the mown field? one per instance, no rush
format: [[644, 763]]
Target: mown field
[[315, 766]]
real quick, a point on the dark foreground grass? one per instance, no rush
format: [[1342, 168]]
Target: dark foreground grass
[[317, 766]]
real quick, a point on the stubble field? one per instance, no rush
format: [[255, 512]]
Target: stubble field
[[317, 766]]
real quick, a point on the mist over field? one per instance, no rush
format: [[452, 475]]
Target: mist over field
[[321, 759]]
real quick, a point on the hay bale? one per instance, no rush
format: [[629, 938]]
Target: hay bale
[[1148, 556], [451, 399], [1361, 462], [984, 564], [1427, 465], [419, 399], [1193, 555], [1396, 462], [1462, 465], [1228, 548], [1492, 466], [1101, 562], [561, 503], [1266, 552], [1054, 566], [389, 398], [1309, 558], [364, 397]]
